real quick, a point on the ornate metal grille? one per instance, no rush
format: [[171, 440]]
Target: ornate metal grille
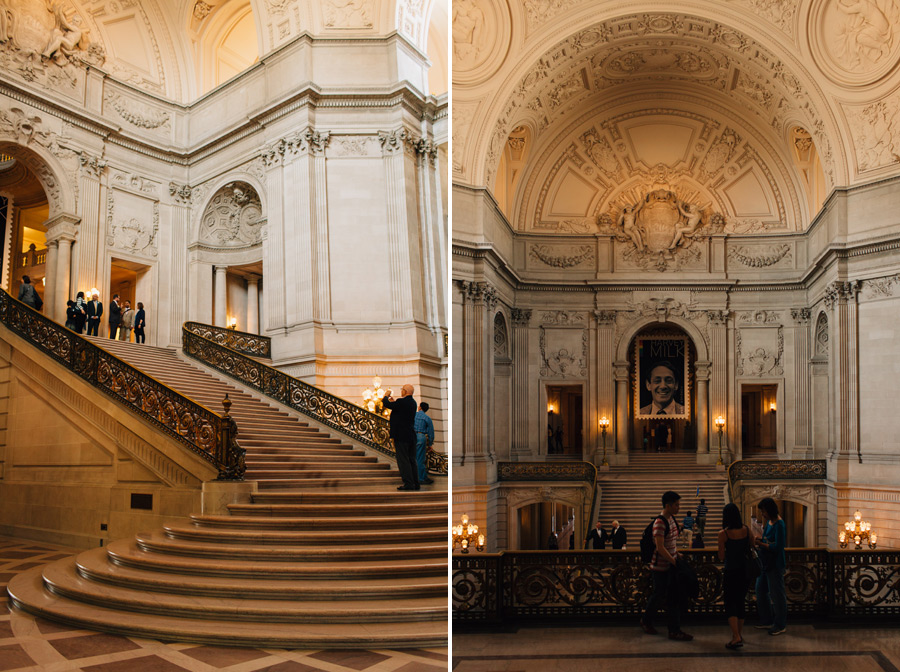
[[240, 341], [337, 413], [548, 585], [546, 471], [753, 470], [206, 433]]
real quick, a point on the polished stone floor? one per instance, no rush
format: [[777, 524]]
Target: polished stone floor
[[804, 648], [33, 644]]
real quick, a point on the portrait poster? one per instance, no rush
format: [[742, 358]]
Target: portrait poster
[[661, 384]]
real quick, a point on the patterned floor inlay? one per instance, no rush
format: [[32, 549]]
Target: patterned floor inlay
[[29, 644], [605, 648]]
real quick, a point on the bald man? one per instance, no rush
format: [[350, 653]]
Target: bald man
[[403, 432]]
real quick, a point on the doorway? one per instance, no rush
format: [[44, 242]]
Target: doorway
[[565, 420], [758, 414], [131, 281], [547, 523]]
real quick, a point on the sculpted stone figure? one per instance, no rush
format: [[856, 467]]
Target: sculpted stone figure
[[692, 216], [65, 36], [628, 222], [868, 32], [7, 24], [468, 29]]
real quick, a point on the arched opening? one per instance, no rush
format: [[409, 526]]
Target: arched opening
[[546, 526], [227, 42], [662, 404], [24, 211]]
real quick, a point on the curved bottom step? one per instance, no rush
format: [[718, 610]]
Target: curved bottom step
[[27, 593]]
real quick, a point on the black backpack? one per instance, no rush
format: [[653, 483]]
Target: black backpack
[[648, 545]]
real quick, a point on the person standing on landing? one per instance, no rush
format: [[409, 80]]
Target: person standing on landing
[[115, 316], [424, 440], [403, 432], [662, 566], [771, 599], [735, 541]]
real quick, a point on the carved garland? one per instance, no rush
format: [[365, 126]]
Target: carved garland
[[756, 257], [542, 253]]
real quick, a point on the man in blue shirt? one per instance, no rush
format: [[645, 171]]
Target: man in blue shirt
[[424, 438]]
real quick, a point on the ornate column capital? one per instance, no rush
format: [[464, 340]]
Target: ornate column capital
[[520, 317], [701, 370], [717, 318], [427, 149], [478, 292], [181, 193], [841, 291], [621, 371], [91, 166], [393, 142], [801, 315], [605, 317], [62, 226]]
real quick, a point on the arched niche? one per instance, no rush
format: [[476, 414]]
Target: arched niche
[[524, 502]]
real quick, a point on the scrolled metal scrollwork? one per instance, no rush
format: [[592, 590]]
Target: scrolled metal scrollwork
[[246, 343], [350, 419], [545, 471], [195, 426], [867, 582], [750, 470]]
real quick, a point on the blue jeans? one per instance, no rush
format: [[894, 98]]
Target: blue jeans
[[771, 599], [422, 456]]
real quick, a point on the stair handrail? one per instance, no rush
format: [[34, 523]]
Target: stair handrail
[[206, 433], [356, 422], [774, 469], [244, 342]]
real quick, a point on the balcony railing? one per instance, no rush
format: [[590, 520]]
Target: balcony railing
[[337, 413], [519, 586], [32, 257], [204, 432], [246, 343]]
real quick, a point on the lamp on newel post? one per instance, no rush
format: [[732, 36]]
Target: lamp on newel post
[[604, 425], [466, 536], [720, 425]]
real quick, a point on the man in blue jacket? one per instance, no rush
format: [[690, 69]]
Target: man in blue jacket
[[424, 439]]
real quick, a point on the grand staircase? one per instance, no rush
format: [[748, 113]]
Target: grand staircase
[[327, 553], [631, 493]]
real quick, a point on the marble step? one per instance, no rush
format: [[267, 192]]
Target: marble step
[[63, 579], [302, 539], [95, 565], [27, 592], [127, 553], [358, 512], [387, 483], [161, 542], [356, 497], [301, 471], [357, 521], [275, 459]]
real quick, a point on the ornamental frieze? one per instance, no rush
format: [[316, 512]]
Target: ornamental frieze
[[760, 256], [564, 258], [758, 317], [563, 317], [233, 217]]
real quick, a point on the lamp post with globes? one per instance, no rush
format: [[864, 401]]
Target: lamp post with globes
[[720, 425], [604, 425]]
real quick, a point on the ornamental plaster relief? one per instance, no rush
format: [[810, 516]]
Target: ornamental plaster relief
[[759, 351], [562, 256], [481, 38], [855, 41], [355, 146], [880, 288], [348, 14], [655, 46], [779, 12], [233, 217], [564, 352], [875, 130], [133, 37], [132, 221], [762, 256], [138, 113], [411, 19]]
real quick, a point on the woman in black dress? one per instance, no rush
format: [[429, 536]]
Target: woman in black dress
[[735, 541]]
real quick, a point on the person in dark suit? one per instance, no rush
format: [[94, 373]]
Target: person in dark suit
[[618, 536], [598, 536], [115, 316], [403, 432], [140, 321], [94, 310]]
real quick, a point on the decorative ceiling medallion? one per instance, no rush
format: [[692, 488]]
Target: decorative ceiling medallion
[[481, 37], [651, 60], [855, 42]]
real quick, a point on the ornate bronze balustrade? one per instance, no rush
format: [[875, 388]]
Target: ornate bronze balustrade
[[337, 413], [547, 585], [754, 470], [211, 436], [241, 341], [546, 471]]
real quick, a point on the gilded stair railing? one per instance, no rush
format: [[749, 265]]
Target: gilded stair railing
[[213, 437], [243, 342], [337, 413]]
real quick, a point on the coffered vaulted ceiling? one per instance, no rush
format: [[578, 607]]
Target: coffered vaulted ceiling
[[569, 111]]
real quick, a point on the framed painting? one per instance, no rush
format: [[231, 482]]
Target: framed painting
[[661, 381]]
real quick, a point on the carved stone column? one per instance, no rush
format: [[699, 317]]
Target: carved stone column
[[7, 247], [701, 375], [842, 298], [318, 141], [621, 369], [426, 154], [803, 433], [606, 385], [273, 239], [89, 251], [718, 375], [61, 233], [394, 145], [221, 314], [520, 381], [479, 300], [299, 204], [253, 304], [181, 221]]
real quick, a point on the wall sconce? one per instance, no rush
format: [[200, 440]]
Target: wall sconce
[[857, 532], [550, 409], [772, 407], [232, 323], [466, 535], [720, 425], [604, 425]]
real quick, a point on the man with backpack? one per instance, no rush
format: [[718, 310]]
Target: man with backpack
[[659, 548]]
